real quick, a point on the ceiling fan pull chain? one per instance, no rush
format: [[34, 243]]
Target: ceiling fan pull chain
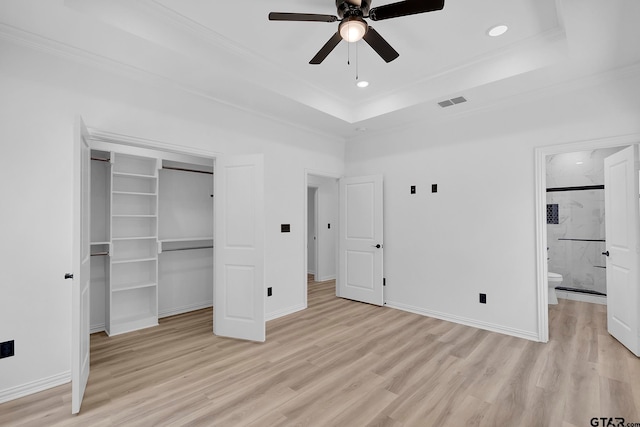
[[348, 53], [356, 61]]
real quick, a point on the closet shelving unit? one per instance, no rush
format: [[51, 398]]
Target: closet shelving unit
[[132, 301]]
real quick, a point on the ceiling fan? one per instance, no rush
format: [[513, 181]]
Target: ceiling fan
[[353, 27]]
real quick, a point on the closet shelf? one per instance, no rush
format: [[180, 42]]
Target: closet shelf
[[121, 325], [133, 286], [132, 260], [99, 243], [135, 238], [131, 193], [186, 239], [133, 216], [134, 175]]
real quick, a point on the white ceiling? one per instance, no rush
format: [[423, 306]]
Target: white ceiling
[[230, 52]]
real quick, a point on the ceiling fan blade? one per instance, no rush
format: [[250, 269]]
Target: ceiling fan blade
[[305, 17], [326, 49], [380, 45], [404, 8]]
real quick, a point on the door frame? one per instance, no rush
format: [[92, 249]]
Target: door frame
[[305, 242], [100, 140], [315, 229], [541, 154]]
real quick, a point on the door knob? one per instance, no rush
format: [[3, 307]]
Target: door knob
[[605, 253], [376, 246], [68, 275]]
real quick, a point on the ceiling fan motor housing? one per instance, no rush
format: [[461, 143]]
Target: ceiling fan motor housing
[[347, 8]]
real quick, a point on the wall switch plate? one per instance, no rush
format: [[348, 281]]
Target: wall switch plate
[[7, 349], [413, 189], [483, 298], [328, 225], [269, 291], [434, 188], [285, 228]]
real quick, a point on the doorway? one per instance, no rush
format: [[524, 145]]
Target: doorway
[[238, 222], [576, 225], [321, 237], [542, 242], [169, 241], [312, 232]]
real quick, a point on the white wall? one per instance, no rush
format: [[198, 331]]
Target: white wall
[[40, 97], [477, 234], [327, 213]]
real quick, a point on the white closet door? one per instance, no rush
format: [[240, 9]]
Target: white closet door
[[239, 292], [80, 319]]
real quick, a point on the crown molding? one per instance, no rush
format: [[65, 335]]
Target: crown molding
[[65, 51], [538, 93], [219, 41]]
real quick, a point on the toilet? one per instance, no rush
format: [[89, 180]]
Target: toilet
[[554, 279]]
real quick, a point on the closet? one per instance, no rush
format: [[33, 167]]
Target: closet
[[151, 237]]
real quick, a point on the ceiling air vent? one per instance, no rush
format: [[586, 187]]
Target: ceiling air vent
[[452, 101]]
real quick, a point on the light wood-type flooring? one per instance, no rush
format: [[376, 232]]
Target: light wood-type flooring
[[345, 363]]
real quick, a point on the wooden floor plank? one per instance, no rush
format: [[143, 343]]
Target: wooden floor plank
[[344, 363]]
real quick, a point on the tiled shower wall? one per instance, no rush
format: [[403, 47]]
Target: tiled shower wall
[[574, 250]]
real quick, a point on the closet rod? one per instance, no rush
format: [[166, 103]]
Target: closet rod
[[186, 170], [100, 160], [100, 254], [187, 249]]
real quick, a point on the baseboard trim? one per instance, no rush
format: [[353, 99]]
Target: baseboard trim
[[325, 278], [518, 333], [34, 387], [97, 328], [285, 312], [184, 309], [576, 296]]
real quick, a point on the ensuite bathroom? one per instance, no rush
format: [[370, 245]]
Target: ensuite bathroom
[[576, 236]]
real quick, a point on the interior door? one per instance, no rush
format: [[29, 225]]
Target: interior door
[[621, 225], [239, 291], [361, 244], [80, 319]]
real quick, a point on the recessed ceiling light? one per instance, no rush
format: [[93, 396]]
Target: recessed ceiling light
[[497, 30], [362, 83]]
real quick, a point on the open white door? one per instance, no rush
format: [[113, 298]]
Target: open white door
[[239, 292], [81, 266], [621, 225], [361, 244]]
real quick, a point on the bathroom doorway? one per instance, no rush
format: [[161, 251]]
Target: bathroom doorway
[[576, 237], [545, 257]]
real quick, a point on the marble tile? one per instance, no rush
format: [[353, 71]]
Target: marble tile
[[562, 170], [581, 215]]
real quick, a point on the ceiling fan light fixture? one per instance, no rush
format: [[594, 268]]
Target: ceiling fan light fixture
[[362, 84], [497, 30], [353, 29]]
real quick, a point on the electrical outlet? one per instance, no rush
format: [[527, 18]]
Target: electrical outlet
[[483, 298], [434, 188], [269, 291], [6, 349], [413, 189]]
